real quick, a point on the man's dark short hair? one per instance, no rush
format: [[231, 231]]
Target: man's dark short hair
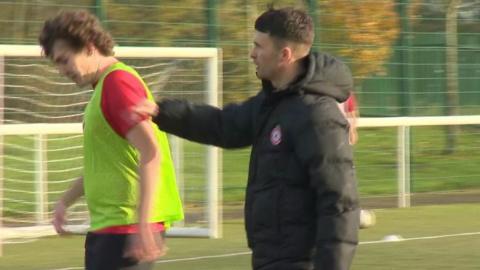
[[287, 24], [77, 28]]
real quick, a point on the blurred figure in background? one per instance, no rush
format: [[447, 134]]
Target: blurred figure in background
[[350, 109]]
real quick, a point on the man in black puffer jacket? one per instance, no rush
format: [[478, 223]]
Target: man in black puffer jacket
[[301, 207]]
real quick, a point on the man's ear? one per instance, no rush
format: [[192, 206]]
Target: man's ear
[[287, 55]]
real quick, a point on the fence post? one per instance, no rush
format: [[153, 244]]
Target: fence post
[[313, 10], [406, 71], [212, 21], [100, 10], [41, 188], [2, 108], [403, 161]]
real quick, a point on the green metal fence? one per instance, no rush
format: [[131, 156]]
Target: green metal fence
[[396, 48]]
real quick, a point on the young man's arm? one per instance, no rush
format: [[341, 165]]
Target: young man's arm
[[322, 146], [142, 137], [68, 198], [121, 91]]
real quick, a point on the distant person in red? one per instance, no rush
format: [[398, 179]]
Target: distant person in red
[[350, 110]]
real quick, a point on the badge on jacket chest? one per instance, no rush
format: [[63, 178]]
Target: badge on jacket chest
[[276, 135]]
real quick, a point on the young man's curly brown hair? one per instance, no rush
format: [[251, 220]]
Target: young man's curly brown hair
[[78, 28]]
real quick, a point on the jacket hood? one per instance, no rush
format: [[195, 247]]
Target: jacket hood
[[326, 75]]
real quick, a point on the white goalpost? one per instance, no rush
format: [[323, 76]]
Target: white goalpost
[[27, 134]]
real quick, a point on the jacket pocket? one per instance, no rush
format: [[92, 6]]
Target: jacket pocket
[[264, 215], [297, 219], [297, 205]]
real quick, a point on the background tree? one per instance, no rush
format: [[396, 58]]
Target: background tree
[[361, 31]]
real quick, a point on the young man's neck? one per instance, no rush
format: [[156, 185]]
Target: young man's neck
[[289, 76], [103, 63]]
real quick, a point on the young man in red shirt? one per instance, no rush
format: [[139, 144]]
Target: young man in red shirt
[[128, 180]]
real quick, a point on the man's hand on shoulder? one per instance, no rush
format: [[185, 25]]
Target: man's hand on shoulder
[[146, 107]]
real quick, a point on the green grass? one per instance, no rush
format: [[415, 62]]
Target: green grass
[[459, 252]]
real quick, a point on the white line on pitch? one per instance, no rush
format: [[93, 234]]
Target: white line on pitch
[[205, 257], [361, 243], [419, 238], [68, 268]]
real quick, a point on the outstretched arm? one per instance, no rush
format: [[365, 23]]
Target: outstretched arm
[[230, 127]]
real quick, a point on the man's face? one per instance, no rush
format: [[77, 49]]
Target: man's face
[[265, 55], [77, 66]]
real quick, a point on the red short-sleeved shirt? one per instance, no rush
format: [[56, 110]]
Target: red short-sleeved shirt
[[121, 91]]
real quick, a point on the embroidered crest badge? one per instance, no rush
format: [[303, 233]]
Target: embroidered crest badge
[[276, 135]]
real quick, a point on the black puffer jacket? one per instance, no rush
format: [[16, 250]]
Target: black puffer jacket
[[301, 207]]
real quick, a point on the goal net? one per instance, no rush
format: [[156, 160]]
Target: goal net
[[41, 137]]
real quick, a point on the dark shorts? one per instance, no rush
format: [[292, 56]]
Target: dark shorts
[[105, 252]]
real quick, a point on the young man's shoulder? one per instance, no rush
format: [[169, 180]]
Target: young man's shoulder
[[121, 91], [119, 77]]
